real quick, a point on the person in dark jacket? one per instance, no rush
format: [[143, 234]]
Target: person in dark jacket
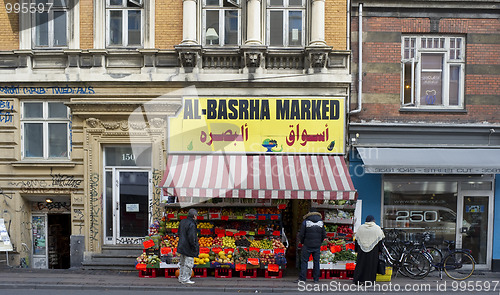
[[188, 246], [368, 245], [311, 235]]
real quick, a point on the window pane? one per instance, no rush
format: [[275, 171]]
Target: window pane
[[134, 27], [295, 28], [42, 29], [60, 3], [115, 28], [33, 140], [212, 24], [432, 61], [58, 110], [276, 29], [454, 85], [295, 3], [212, 2], [60, 28], [58, 140], [276, 3], [407, 91], [116, 2], [431, 85], [33, 110], [230, 3], [231, 27]]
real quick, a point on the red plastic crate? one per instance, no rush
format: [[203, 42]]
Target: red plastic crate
[[310, 274], [248, 274], [200, 272], [223, 273], [274, 275], [148, 273], [339, 274], [170, 272]]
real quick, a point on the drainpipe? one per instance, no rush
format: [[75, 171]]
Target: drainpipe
[[360, 60]]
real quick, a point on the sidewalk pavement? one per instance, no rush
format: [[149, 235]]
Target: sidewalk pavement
[[79, 279]]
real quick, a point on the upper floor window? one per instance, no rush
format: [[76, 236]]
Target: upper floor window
[[433, 69], [51, 24], [221, 22], [45, 130], [124, 23], [286, 21]]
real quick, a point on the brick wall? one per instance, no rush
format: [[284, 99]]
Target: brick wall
[[336, 24], [86, 24], [9, 28], [168, 27], [382, 68]]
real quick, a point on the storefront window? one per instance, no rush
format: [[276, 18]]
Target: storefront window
[[128, 156], [421, 206]]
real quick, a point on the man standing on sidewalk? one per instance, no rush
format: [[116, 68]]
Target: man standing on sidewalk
[[311, 235], [188, 246]]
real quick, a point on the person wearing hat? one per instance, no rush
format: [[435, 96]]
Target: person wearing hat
[[188, 246], [368, 245], [311, 235]]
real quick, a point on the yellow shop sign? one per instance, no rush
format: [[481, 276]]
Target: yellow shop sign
[[259, 125]]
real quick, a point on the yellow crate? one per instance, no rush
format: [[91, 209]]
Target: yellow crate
[[386, 277]]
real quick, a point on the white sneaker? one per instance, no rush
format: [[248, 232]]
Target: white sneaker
[[188, 282]]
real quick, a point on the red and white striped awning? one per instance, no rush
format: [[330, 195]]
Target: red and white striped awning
[[259, 176]]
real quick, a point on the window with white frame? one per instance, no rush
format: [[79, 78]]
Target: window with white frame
[[433, 69], [221, 22], [285, 23], [50, 23], [45, 130], [124, 23]]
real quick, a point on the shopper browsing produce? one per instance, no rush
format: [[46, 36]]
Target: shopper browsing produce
[[188, 247]]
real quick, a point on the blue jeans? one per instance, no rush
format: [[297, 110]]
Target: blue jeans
[[306, 252]]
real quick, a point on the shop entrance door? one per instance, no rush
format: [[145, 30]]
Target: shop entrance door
[[127, 205], [473, 226]]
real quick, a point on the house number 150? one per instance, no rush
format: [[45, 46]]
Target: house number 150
[[128, 157]]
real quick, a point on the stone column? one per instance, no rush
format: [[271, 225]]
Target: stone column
[[189, 22], [254, 36], [318, 23]]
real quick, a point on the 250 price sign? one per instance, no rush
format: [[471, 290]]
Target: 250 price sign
[[417, 216]]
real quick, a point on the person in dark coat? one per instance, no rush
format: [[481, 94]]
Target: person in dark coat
[[368, 245], [188, 246], [311, 235]]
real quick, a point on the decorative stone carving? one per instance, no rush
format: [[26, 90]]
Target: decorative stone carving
[[188, 59], [157, 123], [318, 59], [93, 122], [110, 125], [138, 125], [252, 59]]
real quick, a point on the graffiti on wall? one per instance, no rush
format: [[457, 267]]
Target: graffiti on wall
[[95, 209], [60, 184], [6, 110], [52, 207], [155, 205], [53, 90], [78, 221], [129, 241]]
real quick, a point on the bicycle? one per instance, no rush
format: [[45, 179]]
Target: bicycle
[[458, 264], [407, 262]]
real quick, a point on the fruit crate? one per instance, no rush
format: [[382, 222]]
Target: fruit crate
[[273, 275], [339, 274], [248, 274], [149, 273], [170, 272], [321, 274], [223, 273], [200, 272]]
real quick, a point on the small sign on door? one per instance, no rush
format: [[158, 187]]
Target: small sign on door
[[132, 208]]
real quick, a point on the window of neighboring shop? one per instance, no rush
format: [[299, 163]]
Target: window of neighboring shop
[[124, 23], [221, 22], [50, 23], [433, 69], [415, 207], [286, 21], [45, 130]]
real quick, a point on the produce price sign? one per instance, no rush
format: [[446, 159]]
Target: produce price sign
[[253, 249], [205, 231], [199, 217], [166, 250], [242, 233], [175, 230], [182, 217], [282, 206], [148, 244], [170, 216], [219, 231], [204, 250], [221, 235], [253, 261], [273, 268], [227, 250], [279, 251], [261, 232], [216, 250], [262, 217], [224, 217], [275, 216], [266, 251], [141, 266], [276, 233], [240, 267], [229, 233]]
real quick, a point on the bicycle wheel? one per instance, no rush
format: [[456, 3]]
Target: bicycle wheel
[[436, 255], [459, 265], [416, 265]]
